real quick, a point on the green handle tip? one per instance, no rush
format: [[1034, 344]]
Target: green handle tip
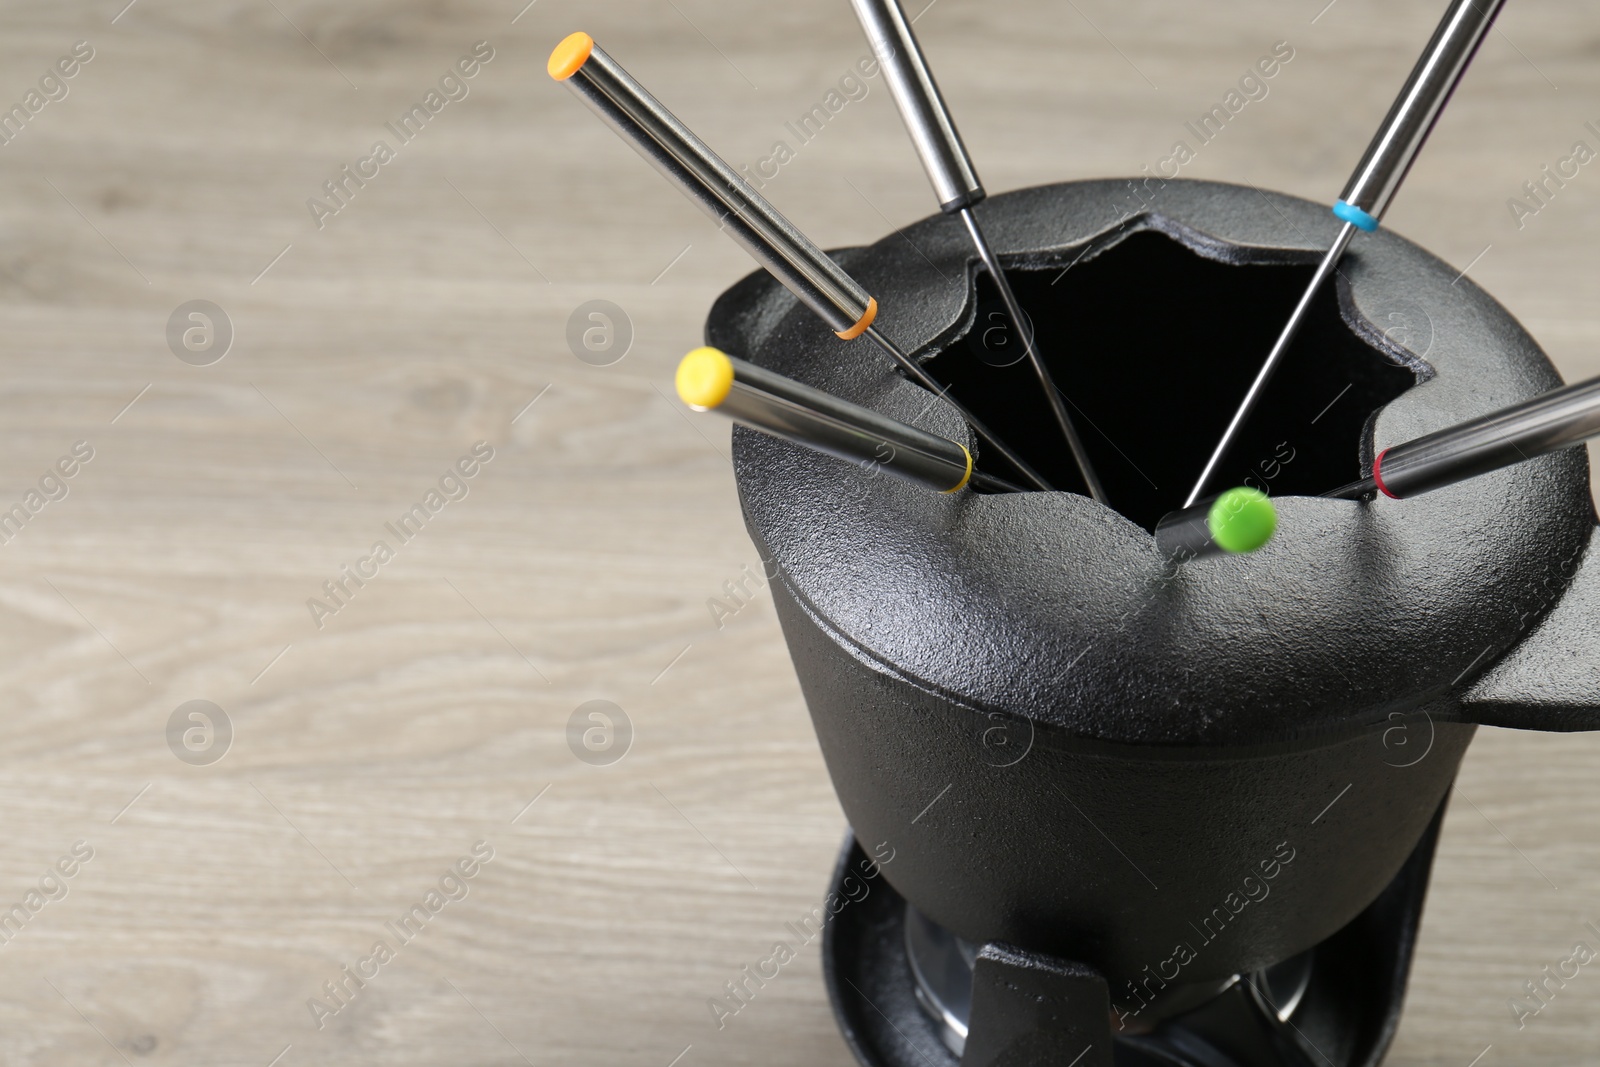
[[1242, 520]]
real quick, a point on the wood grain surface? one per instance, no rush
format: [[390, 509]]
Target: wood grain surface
[[372, 752]]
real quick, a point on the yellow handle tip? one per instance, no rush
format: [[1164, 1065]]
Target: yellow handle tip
[[572, 53], [965, 478], [704, 378]]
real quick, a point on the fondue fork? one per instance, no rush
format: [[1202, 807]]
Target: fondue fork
[[955, 181], [774, 242], [1548, 423], [1377, 177], [711, 380]]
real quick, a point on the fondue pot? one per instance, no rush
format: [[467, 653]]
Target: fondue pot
[[1142, 811]]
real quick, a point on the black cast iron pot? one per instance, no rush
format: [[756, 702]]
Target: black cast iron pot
[[1170, 773]]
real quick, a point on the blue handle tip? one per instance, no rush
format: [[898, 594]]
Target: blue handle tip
[[1355, 216]]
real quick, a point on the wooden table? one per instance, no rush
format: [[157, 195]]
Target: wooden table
[[430, 711]]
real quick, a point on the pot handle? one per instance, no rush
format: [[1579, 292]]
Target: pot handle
[[1552, 680]]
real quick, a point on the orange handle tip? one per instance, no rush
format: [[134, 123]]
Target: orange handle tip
[[573, 52], [863, 322]]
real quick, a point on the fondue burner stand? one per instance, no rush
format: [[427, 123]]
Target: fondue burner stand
[[1125, 810], [908, 993]]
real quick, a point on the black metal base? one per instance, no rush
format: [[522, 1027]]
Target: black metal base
[[1336, 1005]]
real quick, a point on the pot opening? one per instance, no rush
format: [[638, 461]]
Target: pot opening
[[1154, 347]]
